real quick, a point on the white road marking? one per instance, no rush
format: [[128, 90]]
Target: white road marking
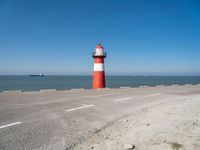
[[11, 124], [155, 94], [79, 108], [121, 99]]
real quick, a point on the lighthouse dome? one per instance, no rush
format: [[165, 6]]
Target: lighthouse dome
[[99, 46]]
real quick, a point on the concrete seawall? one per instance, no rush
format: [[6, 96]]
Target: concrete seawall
[[82, 89]]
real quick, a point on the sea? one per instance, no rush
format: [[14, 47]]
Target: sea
[[31, 83]]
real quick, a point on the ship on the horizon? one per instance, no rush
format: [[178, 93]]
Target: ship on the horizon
[[36, 75]]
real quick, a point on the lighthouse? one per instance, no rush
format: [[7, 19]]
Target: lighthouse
[[99, 73]]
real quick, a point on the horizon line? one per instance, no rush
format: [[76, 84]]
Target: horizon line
[[92, 75]]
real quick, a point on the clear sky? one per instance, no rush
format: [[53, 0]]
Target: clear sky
[[141, 37]]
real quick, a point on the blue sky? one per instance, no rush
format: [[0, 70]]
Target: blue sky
[[141, 37]]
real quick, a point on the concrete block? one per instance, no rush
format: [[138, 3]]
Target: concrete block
[[125, 87], [188, 84], [175, 85], [30, 92], [63, 91], [48, 90], [143, 86], [80, 89], [12, 92], [102, 89], [160, 85]]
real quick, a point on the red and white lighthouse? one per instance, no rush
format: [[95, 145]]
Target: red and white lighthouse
[[99, 73]]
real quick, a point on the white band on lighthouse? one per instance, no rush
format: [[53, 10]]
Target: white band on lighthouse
[[98, 67]]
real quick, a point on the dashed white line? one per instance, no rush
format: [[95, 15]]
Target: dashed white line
[[11, 124], [121, 99], [72, 109]]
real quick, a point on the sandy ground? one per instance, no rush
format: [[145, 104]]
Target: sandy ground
[[172, 125]]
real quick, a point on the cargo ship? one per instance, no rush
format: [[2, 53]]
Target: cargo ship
[[36, 75]]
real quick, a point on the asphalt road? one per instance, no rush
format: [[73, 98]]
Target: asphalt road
[[58, 120]]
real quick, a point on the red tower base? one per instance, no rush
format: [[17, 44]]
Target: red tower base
[[99, 80]]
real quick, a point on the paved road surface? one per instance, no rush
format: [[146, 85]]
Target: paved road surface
[[58, 120]]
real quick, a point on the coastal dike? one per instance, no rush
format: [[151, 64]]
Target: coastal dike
[[153, 118]]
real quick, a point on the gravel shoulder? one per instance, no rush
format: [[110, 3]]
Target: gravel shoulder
[[170, 125]]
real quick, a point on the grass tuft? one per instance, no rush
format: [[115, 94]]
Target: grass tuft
[[176, 146]]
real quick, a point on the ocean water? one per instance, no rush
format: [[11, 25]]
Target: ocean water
[[27, 83]]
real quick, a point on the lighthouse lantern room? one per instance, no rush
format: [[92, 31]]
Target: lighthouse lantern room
[[99, 73]]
